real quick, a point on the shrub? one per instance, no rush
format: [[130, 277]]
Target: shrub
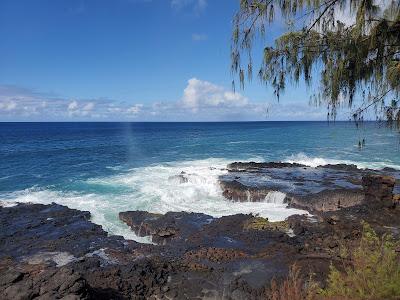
[[293, 287], [374, 272]]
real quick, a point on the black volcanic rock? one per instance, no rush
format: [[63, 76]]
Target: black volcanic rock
[[340, 167], [53, 252], [236, 191], [172, 225], [261, 165], [378, 190], [324, 188], [328, 200]]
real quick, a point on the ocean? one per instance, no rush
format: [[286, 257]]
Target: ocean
[[106, 168]]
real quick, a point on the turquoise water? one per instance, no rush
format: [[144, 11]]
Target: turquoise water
[[110, 167]]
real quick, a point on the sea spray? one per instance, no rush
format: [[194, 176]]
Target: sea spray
[[150, 189]]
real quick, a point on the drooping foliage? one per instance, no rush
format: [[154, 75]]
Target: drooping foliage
[[352, 47]]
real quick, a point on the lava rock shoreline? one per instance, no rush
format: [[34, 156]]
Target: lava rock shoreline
[[54, 252]]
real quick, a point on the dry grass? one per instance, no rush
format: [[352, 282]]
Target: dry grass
[[293, 287]]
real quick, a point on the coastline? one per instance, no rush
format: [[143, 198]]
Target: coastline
[[51, 251]]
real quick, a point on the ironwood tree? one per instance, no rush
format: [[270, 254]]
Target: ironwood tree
[[350, 48]]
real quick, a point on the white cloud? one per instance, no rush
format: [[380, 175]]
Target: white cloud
[[199, 37], [73, 106], [8, 105], [80, 110], [201, 101], [88, 107], [135, 109], [198, 94]]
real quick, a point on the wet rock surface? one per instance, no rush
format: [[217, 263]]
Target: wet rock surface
[[323, 188], [53, 252]]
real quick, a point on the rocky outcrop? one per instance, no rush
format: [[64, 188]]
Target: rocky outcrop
[[340, 167], [53, 252], [321, 189], [163, 228], [246, 166], [236, 191], [38, 282], [328, 200], [378, 190]]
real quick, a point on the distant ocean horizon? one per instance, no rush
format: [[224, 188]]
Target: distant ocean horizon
[[108, 167]]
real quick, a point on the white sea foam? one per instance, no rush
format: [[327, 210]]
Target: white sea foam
[[150, 188], [304, 159], [275, 197], [8, 203]]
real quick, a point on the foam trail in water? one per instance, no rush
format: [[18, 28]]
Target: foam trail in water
[[151, 189], [157, 189]]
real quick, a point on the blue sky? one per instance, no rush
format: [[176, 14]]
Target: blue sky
[[129, 60]]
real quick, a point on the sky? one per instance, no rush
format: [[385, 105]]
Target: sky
[[130, 60]]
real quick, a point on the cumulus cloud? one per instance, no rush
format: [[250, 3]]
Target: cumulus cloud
[[199, 93], [17, 101], [8, 105], [135, 109], [88, 106], [80, 109], [201, 101], [73, 106]]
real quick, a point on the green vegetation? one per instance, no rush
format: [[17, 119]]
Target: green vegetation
[[351, 46], [375, 270], [373, 273]]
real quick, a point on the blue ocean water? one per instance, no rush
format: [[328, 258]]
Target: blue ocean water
[[110, 167]]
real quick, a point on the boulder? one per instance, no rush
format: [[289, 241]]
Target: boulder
[[328, 200], [378, 190], [236, 191]]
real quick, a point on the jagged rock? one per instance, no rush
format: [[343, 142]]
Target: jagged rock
[[213, 254], [378, 190], [162, 228], [53, 252], [341, 167], [236, 191], [324, 188], [257, 165], [328, 200]]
